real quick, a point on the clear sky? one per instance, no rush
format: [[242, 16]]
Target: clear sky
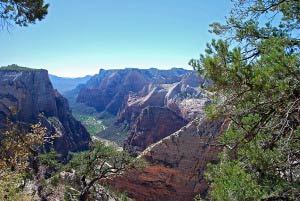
[[78, 37]]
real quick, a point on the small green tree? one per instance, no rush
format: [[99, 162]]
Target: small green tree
[[51, 162], [255, 69], [99, 164]]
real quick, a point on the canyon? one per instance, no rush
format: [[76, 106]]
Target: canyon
[[152, 103], [162, 111]]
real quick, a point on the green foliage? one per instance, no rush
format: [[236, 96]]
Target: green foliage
[[55, 181], [124, 197], [255, 69], [14, 67], [98, 164], [22, 12], [70, 194], [93, 124], [10, 186], [88, 116], [100, 159], [232, 181], [17, 147], [50, 160], [99, 124], [114, 132]]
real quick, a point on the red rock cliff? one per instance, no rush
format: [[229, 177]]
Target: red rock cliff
[[176, 164]]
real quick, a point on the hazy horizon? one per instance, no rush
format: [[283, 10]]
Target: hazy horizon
[[77, 39]]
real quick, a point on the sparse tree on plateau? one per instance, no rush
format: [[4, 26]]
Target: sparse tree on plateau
[[255, 69], [21, 12]]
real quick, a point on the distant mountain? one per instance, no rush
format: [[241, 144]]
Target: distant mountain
[[64, 84], [110, 89]]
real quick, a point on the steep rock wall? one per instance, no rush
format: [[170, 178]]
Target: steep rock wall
[[27, 93], [176, 164]]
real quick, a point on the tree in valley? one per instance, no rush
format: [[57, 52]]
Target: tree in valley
[[255, 69], [21, 12]]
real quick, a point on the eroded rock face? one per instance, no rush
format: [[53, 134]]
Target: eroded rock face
[[107, 90], [176, 164], [183, 97], [117, 91], [29, 93], [173, 94], [152, 125]]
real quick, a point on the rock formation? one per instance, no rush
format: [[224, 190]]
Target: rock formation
[[152, 125], [107, 90], [127, 93], [176, 164], [29, 93], [183, 97]]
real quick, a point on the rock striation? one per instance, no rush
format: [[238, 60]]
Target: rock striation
[[176, 164], [152, 125], [26, 93], [128, 93]]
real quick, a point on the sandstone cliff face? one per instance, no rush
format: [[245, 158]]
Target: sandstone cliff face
[[107, 90], [152, 125], [30, 93], [176, 164], [183, 97], [113, 90]]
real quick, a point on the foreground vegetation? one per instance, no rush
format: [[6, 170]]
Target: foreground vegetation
[[23, 168], [255, 69], [17, 149]]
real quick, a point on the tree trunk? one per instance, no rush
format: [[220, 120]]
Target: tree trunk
[[84, 194]]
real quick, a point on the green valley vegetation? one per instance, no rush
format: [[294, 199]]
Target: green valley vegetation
[[88, 116], [255, 69], [92, 122], [101, 125]]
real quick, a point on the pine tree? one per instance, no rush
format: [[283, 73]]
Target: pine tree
[[21, 12], [255, 70]]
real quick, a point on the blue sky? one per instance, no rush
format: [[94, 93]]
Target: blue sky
[[78, 37]]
